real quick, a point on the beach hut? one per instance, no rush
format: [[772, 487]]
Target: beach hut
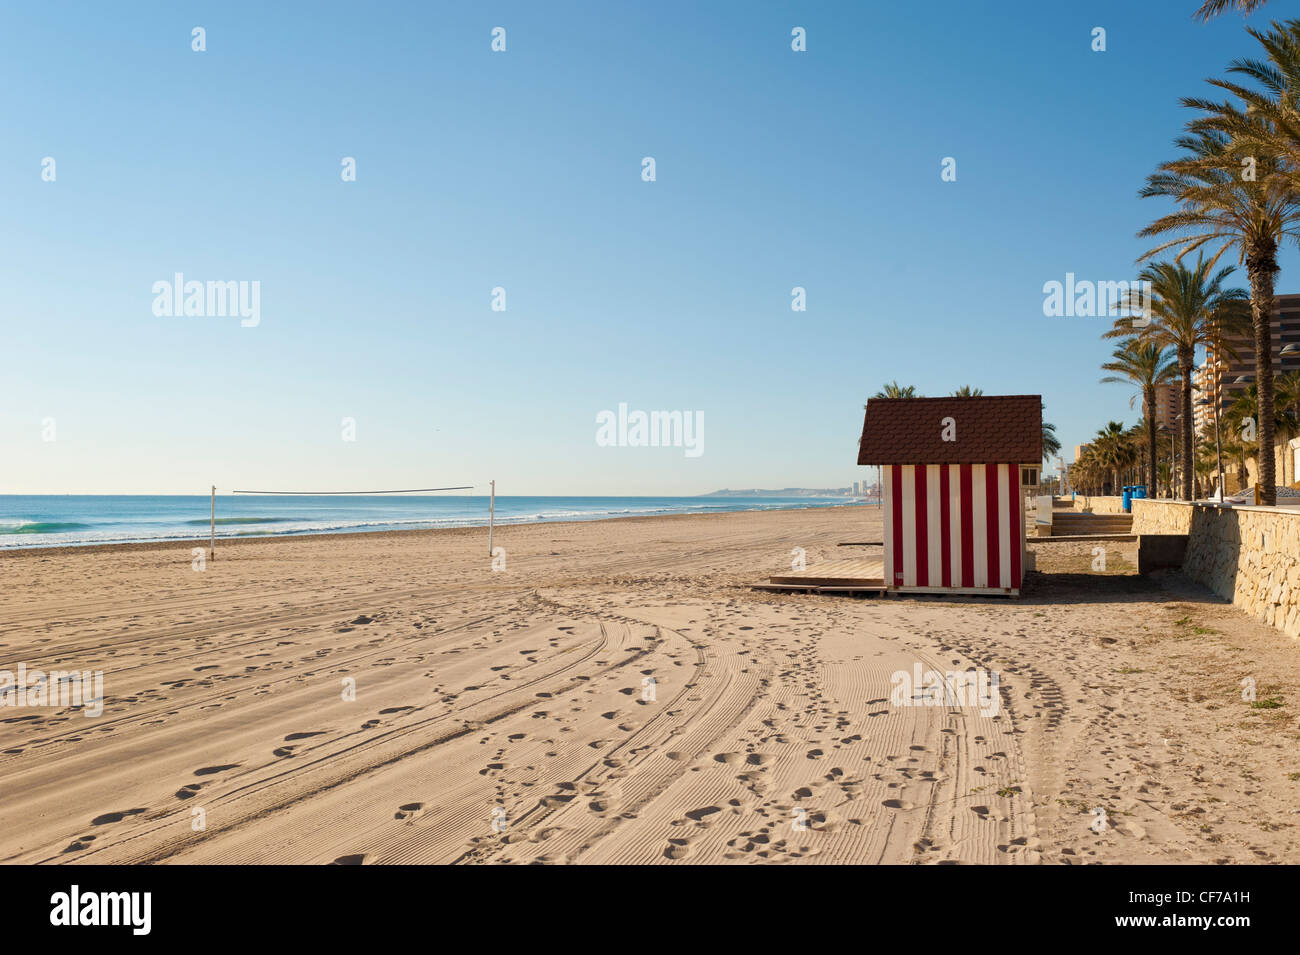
[[953, 477]]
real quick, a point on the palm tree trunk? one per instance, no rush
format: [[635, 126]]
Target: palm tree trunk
[[1173, 464], [1261, 264], [1185, 359], [1150, 397], [1286, 453], [1285, 440]]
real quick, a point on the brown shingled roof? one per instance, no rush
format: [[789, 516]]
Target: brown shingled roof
[[990, 429]]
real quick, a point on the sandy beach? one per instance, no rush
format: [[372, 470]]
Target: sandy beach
[[618, 694]]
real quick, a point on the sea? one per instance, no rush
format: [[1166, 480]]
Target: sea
[[74, 519]]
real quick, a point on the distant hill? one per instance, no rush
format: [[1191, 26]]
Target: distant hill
[[782, 492]]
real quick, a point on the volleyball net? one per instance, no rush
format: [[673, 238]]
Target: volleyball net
[[212, 526], [413, 490]]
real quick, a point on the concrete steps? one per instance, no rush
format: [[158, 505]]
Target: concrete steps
[[1075, 524]]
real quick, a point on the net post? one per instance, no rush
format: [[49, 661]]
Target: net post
[[212, 527], [492, 512]]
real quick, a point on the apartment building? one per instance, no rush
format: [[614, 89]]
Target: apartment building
[[1167, 402]]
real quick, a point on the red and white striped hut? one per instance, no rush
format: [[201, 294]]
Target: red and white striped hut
[[953, 473]]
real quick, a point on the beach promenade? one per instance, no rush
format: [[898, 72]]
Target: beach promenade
[[618, 694]]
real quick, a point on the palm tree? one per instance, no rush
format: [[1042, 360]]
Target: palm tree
[[895, 390], [1135, 442], [1187, 308], [1206, 462], [1267, 124], [1234, 449], [1247, 407], [1287, 396], [1112, 451], [1165, 474], [1212, 8], [1051, 443], [1232, 192], [1087, 474], [966, 391], [1147, 365]]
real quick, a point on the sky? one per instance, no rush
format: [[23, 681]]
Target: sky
[[522, 170]]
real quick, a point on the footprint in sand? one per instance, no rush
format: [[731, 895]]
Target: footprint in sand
[[357, 859], [677, 849], [698, 815], [82, 842], [108, 817], [408, 811], [189, 791], [213, 770]]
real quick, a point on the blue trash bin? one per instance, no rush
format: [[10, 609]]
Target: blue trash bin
[[1128, 498], [1139, 491]]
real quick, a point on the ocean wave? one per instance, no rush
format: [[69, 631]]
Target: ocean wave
[[206, 521], [40, 527]]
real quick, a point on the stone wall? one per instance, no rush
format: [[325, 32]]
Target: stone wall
[[1161, 517], [1249, 555]]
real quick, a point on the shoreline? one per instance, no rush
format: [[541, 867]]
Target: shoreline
[[170, 543]]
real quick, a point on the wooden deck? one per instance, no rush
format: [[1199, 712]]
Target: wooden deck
[[832, 576]]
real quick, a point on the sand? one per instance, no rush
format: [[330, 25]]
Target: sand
[[508, 716]]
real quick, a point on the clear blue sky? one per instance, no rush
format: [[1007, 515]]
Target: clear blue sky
[[522, 169]]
